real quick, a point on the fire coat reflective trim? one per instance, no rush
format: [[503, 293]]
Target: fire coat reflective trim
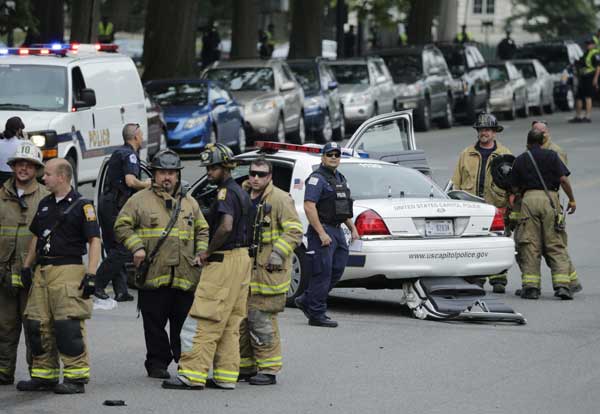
[[270, 362], [76, 373], [193, 376], [16, 281], [48, 374], [225, 376], [264, 289]]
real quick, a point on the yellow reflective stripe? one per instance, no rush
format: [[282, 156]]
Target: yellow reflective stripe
[[265, 289], [158, 281], [76, 373], [16, 281], [200, 223], [270, 362], [284, 246], [561, 278], [225, 376], [45, 373], [573, 276], [132, 241], [157, 232], [4, 370], [194, 376], [501, 276], [247, 362], [124, 220], [11, 231], [531, 278], [288, 225], [201, 245], [182, 283]]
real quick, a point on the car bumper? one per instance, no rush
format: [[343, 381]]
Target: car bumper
[[314, 118], [357, 114], [500, 104], [410, 259], [192, 139], [412, 102], [261, 124]]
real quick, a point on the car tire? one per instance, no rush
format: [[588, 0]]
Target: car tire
[[299, 136], [74, 181], [240, 147], [550, 108], [569, 103], [280, 137], [524, 111], [299, 275], [423, 117], [512, 113], [325, 135], [448, 118], [340, 132], [539, 108]]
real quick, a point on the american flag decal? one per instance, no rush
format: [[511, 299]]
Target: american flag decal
[[298, 184]]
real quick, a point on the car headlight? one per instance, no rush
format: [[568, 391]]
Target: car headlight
[[195, 121], [43, 139], [265, 105], [312, 102], [410, 90], [361, 99], [38, 140]]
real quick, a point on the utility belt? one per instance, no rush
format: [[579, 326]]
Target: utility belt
[[59, 261]]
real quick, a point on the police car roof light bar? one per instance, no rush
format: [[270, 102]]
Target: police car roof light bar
[[269, 146], [31, 51]]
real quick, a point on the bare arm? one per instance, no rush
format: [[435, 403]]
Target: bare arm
[[350, 224], [132, 182], [566, 186], [31, 253], [596, 74], [310, 208], [93, 254], [221, 234]]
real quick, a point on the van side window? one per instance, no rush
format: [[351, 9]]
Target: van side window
[[77, 83]]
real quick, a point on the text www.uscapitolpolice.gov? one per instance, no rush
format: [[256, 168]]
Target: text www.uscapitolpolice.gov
[[449, 255]]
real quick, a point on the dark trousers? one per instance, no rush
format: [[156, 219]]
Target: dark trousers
[[327, 265], [112, 267], [159, 306]]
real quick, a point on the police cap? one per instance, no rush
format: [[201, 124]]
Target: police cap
[[331, 146], [501, 167], [217, 154], [487, 120], [166, 159]]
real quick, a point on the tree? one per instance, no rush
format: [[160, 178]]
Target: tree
[[420, 19], [244, 29], [85, 15], [170, 39], [51, 22], [17, 16], [556, 18], [305, 36]]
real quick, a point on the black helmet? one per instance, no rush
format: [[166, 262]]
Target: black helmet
[[166, 159], [501, 167], [217, 154], [486, 120]]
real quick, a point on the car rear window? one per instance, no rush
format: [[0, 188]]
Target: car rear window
[[307, 76], [178, 93], [244, 79], [404, 68], [351, 74]]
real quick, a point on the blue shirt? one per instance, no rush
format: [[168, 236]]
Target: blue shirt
[[317, 187], [122, 162]]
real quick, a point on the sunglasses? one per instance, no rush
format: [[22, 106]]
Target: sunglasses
[[334, 154], [261, 174]]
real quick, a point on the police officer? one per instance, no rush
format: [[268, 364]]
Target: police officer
[[122, 180], [538, 233], [327, 204], [211, 333], [588, 68], [276, 232], [106, 30], [473, 175], [59, 301], [167, 293], [19, 199], [463, 36], [506, 48]]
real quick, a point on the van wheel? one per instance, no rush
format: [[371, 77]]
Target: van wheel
[[340, 132], [71, 160], [326, 133], [299, 276]]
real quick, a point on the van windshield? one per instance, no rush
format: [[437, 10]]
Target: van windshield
[[33, 88]]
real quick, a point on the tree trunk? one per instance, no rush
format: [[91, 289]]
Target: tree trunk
[[170, 39], [448, 20], [85, 15], [244, 29], [420, 19], [51, 27], [118, 13], [305, 37]]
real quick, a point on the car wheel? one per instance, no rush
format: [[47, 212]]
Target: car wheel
[[326, 134], [280, 131], [538, 109], [240, 147], [448, 118], [299, 275], [569, 103], [299, 137], [550, 107], [423, 117], [524, 111], [340, 132], [512, 113], [71, 160]]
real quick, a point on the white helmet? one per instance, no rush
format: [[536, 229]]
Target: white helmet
[[27, 151]]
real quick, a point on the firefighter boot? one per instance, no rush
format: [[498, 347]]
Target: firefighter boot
[[69, 388], [36, 384]]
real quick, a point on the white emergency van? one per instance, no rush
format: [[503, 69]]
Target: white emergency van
[[73, 99]]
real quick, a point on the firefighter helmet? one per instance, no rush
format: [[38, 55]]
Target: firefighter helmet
[[217, 154], [487, 120], [166, 159], [501, 167], [27, 151]]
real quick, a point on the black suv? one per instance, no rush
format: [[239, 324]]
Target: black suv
[[422, 83], [467, 65], [559, 58]]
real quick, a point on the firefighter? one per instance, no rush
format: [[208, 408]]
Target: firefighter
[[59, 301], [19, 199], [473, 175], [210, 337], [276, 231], [167, 292], [537, 175]]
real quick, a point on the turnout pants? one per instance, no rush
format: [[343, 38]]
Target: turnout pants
[[260, 343], [159, 306], [211, 333], [536, 237], [327, 264], [112, 267], [12, 307], [55, 320]]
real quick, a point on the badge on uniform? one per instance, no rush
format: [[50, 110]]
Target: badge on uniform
[[133, 159], [90, 213], [313, 180], [222, 194]]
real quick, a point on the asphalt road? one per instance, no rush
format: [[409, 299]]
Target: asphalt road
[[380, 359]]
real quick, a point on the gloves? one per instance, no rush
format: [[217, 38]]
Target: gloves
[[23, 280], [88, 284], [275, 262]]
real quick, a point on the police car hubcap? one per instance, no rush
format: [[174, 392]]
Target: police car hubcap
[[296, 276]]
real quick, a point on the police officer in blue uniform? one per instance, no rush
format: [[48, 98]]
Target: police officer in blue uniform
[[328, 205], [122, 180]]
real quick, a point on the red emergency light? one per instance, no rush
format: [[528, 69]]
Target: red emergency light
[[277, 146]]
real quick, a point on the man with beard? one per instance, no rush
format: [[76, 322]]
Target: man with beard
[[167, 291]]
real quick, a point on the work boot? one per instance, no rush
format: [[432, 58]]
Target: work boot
[[177, 384], [498, 288], [575, 120], [263, 379], [124, 297], [586, 120], [101, 294], [212, 383], [323, 321], [246, 377], [300, 305], [530, 293], [36, 384], [69, 388], [576, 288], [160, 373], [563, 293]]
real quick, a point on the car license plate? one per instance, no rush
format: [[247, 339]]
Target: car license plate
[[439, 228]]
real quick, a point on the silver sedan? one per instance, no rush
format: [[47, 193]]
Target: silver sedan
[[540, 85], [509, 90]]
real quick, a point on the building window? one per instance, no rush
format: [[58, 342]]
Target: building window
[[490, 6], [477, 6], [481, 6]]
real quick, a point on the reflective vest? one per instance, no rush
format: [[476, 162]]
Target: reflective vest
[[105, 30], [596, 41], [589, 65], [461, 38]]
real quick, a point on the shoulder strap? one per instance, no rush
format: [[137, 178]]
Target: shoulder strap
[[167, 230], [539, 174], [61, 219]]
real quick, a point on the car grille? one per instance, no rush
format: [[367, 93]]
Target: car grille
[[172, 125]]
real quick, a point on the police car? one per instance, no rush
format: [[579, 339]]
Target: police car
[[73, 99], [409, 227]]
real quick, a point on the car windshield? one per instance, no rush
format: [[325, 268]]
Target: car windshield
[[307, 76], [455, 58], [498, 73], [555, 59], [526, 69], [351, 74], [33, 88], [244, 79], [179, 93], [370, 180], [404, 68]]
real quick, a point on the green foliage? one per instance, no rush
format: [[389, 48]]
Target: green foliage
[[556, 18], [18, 18], [379, 10]]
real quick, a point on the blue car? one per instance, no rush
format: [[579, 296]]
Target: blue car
[[197, 113]]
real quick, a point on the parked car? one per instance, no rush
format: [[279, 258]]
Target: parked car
[[366, 88], [422, 82], [509, 90], [559, 58], [323, 110], [467, 64], [197, 113], [540, 85], [157, 127], [271, 98]]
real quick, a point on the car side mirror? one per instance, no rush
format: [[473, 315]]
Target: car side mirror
[[332, 85], [381, 79], [287, 86], [435, 71], [220, 101], [87, 99]]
